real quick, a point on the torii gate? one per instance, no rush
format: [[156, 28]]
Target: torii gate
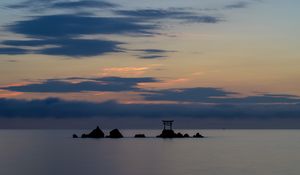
[[167, 124]]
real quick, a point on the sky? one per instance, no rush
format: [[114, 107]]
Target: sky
[[131, 63]]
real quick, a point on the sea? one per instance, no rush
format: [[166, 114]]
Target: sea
[[222, 152]]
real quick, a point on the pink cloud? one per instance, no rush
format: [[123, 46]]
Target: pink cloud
[[124, 70], [7, 94], [165, 84]]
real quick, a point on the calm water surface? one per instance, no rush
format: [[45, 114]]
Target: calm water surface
[[224, 152]]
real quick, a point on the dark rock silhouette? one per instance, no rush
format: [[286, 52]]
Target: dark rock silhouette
[[115, 133], [186, 135], [140, 136], [179, 135], [75, 136], [197, 135], [167, 133], [96, 133]]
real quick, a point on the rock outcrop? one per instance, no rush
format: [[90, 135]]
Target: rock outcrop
[[197, 135], [96, 133], [140, 136], [186, 135], [115, 133], [167, 134], [179, 135], [171, 134]]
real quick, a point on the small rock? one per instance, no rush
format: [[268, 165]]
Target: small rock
[[96, 133], [115, 134], [179, 135], [197, 135], [186, 135], [75, 136]]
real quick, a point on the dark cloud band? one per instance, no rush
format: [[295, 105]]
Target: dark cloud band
[[111, 84], [57, 108]]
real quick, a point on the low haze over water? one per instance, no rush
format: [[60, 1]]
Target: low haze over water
[[226, 152]]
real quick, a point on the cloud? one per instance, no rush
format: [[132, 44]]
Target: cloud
[[264, 98], [8, 94], [237, 5], [144, 87], [65, 36], [200, 19], [153, 13], [31, 4], [65, 47], [152, 56], [84, 4], [129, 71], [112, 84], [54, 107], [12, 51], [70, 25], [124, 70], [55, 4], [152, 53], [158, 14], [200, 94], [74, 20], [217, 96], [165, 84]]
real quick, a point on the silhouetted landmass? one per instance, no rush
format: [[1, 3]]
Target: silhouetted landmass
[[96, 133], [140, 136], [167, 133], [115, 133], [197, 135], [179, 135], [186, 135]]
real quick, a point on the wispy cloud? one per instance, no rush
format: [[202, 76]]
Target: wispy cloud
[[63, 47], [103, 84], [159, 14], [166, 83], [217, 96], [84, 4], [8, 94], [151, 56], [152, 53], [241, 4], [41, 26], [65, 39], [236, 5], [124, 70], [78, 18], [37, 5], [149, 88], [13, 51]]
